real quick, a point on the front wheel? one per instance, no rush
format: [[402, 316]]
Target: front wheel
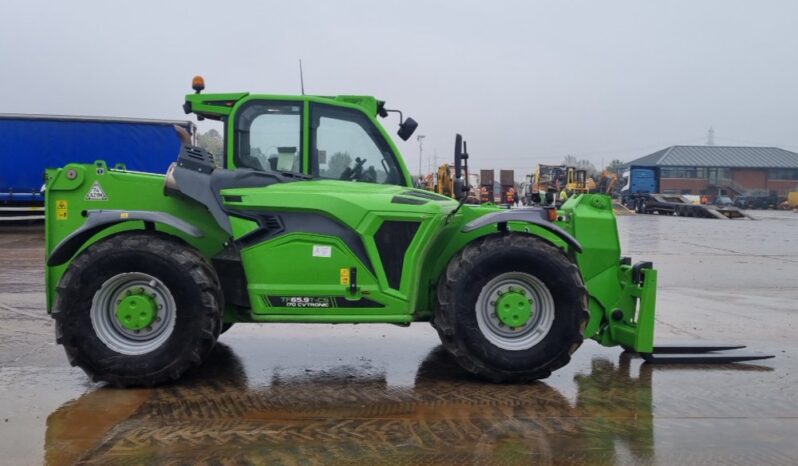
[[138, 309], [511, 308]]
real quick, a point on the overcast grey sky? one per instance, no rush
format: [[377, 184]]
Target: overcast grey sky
[[525, 82]]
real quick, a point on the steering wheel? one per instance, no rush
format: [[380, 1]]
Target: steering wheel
[[354, 173]]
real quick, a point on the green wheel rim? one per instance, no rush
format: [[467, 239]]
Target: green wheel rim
[[515, 311], [133, 313]]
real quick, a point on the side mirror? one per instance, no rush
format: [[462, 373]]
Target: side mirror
[[407, 128]]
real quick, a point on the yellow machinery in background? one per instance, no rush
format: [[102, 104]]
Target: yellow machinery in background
[[445, 183], [551, 179], [548, 179], [442, 182], [578, 182], [607, 182]]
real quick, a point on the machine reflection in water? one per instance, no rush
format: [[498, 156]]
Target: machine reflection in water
[[352, 415]]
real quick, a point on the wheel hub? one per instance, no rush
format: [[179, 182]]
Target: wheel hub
[[515, 311], [136, 311], [514, 308], [133, 313]]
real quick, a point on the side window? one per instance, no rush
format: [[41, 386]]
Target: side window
[[269, 136], [347, 146]]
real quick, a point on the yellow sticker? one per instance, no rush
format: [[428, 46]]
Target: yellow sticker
[[345, 276], [61, 209], [124, 215]]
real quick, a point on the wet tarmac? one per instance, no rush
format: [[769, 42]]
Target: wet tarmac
[[294, 394]]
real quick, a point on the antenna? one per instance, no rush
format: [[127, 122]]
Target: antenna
[[301, 78]]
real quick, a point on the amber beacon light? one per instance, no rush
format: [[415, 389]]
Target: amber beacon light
[[198, 84]]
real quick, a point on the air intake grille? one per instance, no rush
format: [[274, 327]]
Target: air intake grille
[[196, 159], [271, 222], [393, 238]]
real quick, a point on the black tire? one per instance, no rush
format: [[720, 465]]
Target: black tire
[[472, 269], [191, 282]]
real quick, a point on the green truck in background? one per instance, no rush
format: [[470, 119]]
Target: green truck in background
[[312, 217]]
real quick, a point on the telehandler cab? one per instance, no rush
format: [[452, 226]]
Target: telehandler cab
[[311, 217]]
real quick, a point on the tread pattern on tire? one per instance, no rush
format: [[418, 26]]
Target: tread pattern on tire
[[446, 313], [190, 262]]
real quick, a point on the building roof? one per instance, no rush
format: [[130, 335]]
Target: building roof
[[719, 156]]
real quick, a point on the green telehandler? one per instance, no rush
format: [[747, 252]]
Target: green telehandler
[[311, 216]]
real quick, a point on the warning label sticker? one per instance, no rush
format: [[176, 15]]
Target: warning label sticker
[[61, 209], [322, 251], [96, 193], [345, 276]]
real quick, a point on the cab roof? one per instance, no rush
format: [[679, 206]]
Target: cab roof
[[219, 106]]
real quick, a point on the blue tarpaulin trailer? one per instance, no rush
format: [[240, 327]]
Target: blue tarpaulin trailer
[[31, 143]]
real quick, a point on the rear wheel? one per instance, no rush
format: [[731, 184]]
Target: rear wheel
[[511, 308], [138, 309]]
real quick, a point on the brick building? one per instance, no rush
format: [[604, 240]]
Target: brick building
[[725, 170]]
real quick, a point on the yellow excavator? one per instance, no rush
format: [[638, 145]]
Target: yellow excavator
[[607, 182], [445, 184]]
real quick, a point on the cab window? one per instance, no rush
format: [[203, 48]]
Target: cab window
[[268, 136], [347, 146]]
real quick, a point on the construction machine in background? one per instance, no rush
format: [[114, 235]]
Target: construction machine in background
[[607, 182], [578, 182], [547, 182], [792, 200], [442, 182], [445, 183]]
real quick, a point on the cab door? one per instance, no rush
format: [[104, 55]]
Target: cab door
[[302, 253], [268, 136], [346, 145]]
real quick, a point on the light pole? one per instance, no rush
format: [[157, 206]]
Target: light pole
[[420, 138]]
